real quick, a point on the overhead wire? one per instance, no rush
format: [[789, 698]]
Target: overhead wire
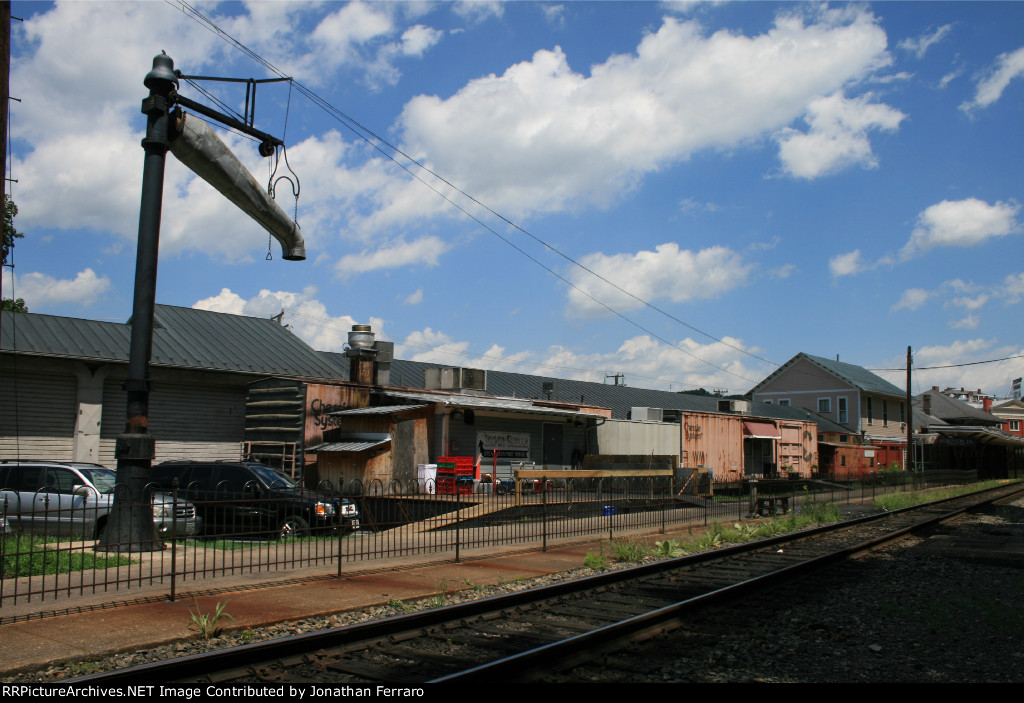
[[444, 349], [379, 143], [953, 366]]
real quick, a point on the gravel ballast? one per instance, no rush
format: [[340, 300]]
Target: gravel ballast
[[905, 613]]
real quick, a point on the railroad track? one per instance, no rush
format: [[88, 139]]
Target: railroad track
[[530, 634]]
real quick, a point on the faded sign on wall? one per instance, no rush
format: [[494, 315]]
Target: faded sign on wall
[[510, 445]]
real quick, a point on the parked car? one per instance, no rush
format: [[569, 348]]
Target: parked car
[[235, 498], [75, 498]]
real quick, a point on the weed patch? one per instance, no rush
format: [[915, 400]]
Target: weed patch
[[597, 562], [442, 594], [633, 551], [206, 624]]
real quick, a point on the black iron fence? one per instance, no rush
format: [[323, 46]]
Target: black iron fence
[[48, 547]]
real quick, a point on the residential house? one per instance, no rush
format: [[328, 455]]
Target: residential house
[[866, 405], [1011, 413]]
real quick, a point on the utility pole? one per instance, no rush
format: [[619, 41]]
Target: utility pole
[[5, 76], [910, 419]]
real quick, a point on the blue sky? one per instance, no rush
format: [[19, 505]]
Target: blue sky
[[735, 182]]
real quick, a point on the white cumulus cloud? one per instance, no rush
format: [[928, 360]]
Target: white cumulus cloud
[[668, 272], [845, 264], [40, 290], [424, 251], [961, 223], [544, 136], [912, 299], [991, 377], [304, 314], [1013, 288], [837, 137]]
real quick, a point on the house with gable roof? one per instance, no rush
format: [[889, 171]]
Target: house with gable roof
[[1011, 414], [849, 395]]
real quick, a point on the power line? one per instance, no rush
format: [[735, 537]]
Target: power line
[[953, 366], [441, 349], [378, 142]]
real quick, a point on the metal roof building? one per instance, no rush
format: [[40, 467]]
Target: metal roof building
[[60, 381], [183, 338]]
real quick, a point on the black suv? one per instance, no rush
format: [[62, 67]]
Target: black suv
[[246, 497]]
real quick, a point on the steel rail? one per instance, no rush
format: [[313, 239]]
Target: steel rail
[[245, 656], [548, 657]]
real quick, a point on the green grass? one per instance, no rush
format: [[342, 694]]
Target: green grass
[[717, 535], [28, 555], [228, 545], [630, 550], [895, 501], [597, 562]]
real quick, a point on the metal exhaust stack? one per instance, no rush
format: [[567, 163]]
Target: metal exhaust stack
[[196, 146], [361, 354]]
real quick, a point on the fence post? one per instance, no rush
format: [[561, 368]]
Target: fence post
[[458, 521], [611, 513], [664, 504], [174, 534], [341, 532], [544, 513]]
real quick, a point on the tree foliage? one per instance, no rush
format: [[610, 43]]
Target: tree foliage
[[10, 234]]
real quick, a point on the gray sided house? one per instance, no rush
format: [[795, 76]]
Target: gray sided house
[[60, 382], [847, 394]]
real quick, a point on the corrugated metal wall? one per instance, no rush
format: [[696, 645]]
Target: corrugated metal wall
[[187, 421], [715, 441], [632, 437], [37, 415]]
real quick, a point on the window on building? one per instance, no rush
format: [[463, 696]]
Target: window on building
[[1014, 425], [824, 405], [885, 412], [842, 410], [767, 402], [784, 401], [871, 415]]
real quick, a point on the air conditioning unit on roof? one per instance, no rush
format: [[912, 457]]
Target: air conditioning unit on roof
[[455, 379], [648, 414], [740, 407]]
